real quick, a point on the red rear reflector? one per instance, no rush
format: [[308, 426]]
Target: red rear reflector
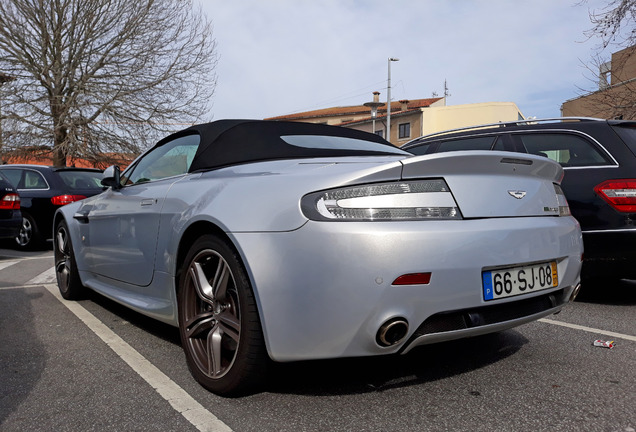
[[620, 194], [10, 201], [413, 279], [61, 200]]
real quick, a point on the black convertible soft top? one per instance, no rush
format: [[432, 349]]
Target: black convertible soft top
[[232, 142]]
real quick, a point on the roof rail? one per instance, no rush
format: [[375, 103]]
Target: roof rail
[[504, 124]]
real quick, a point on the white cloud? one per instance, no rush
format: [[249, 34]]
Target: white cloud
[[283, 56]]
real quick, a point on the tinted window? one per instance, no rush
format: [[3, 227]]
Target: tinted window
[[14, 176], [459, 144], [476, 143], [81, 179], [628, 134], [171, 159], [499, 145], [420, 149], [567, 149], [34, 180]]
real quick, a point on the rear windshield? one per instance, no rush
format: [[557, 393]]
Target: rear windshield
[[81, 179], [627, 134], [339, 143], [567, 149]]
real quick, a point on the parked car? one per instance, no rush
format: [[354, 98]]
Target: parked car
[[43, 189], [599, 158], [291, 241], [10, 215]]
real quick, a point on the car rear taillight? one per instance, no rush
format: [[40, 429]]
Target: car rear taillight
[[410, 200], [61, 200], [564, 207], [10, 201], [620, 194]]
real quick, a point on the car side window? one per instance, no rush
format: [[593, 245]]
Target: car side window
[[14, 176], [170, 159], [34, 180], [420, 149], [565, 148], [474, 143]]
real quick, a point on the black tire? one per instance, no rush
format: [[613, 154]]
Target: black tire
[[29, 236], [219, 324], [68, 280]]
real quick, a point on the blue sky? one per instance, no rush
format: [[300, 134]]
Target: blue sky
[[284, 56]]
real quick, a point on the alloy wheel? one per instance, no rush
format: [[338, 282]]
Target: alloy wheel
[[26, 232], [63, 261], [212, 314]]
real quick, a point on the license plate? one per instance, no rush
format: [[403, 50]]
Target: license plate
[[514, 281]]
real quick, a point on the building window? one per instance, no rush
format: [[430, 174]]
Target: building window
[[405, 130], [380, 133]]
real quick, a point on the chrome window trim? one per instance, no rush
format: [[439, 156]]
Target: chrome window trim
[[48, 186], [610, 231], [590, 167]]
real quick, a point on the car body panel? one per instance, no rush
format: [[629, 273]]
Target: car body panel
[[338, 312], [484, 186], [121, 230]]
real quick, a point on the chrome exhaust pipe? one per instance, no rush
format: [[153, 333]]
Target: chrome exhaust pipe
[[575, 293], [392, 332]]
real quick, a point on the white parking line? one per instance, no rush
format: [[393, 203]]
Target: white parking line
[[589, 329], [5, 264], [45, 277], [178, 398]]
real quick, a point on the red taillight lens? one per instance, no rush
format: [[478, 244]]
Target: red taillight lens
[[620, 194], [61, 200], [413, 279], [10, 201]]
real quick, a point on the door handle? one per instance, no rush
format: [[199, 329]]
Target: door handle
[[147, 202]]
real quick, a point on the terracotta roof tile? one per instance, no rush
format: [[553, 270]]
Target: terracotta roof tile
[[357, 109]]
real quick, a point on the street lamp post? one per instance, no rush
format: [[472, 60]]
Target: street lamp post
[[388, 100], [374, 106]]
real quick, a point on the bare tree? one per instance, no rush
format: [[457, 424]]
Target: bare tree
[[612, 66], [615, 24], [90, 77]]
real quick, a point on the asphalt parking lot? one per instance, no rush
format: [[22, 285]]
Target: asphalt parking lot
[[93, 365]]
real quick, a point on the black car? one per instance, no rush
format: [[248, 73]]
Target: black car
[[10, 216], [599, 160], [43, 189]]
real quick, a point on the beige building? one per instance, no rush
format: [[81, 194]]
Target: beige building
[[410, 118], [616, 96]]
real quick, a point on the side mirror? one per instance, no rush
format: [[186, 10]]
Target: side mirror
[[111, 177]]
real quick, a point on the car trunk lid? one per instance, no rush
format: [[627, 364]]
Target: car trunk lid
[[487, 184]]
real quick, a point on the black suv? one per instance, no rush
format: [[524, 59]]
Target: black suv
[[43, 189], [599, 160]]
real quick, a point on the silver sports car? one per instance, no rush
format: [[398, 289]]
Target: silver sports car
[[292, 241]]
